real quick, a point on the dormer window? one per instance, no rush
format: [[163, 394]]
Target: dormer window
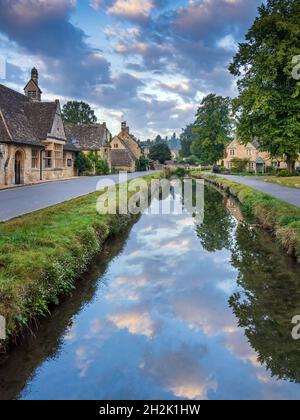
[[32, 94], [232, 152]]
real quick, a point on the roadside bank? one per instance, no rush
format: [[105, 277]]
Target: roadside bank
[[43, 254], [280, 218]]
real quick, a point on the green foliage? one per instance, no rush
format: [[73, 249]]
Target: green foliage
[[186, 139], [99, 165], [239, 165], [268, 106], [82, 163], [142, 164], [282, 173], [192, 160], [42, 254], [78, 113], [212, 127], [160, 152]]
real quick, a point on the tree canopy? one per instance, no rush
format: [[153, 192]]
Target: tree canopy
[[160, 152], [186, 139], [78, 113], [212, 127], [268, 106]]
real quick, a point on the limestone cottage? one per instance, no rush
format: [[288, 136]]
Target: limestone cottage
[[33, 144]]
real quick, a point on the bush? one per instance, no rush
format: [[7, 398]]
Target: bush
[[180, 172], [192, 160], [282, 173], [270, 170], [216, 169], [239, 165], [142, 164], [82, 163]]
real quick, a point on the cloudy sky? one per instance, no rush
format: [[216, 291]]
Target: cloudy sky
[[148, 61]]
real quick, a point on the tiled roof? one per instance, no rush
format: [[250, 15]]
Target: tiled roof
[[41, 116], [121, 158], [23, 121], [88, 136]]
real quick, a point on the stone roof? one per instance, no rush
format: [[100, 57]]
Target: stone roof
[[87, 136], [41, 116], [121, 158], [23, 121]]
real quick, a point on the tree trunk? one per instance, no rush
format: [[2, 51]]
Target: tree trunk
[[291, 163]]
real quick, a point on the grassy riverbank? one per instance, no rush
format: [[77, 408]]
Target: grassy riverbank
[[43, 254], [291, 182], [279, 217]]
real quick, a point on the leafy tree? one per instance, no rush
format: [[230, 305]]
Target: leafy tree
[[213, 126], [78, 113], [99, 165], [268, 106], [82, 163], [158, 139], [216, 229], [267, 300], [142, 164], [186, 139], [160, 152]]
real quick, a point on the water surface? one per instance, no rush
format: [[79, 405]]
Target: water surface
[[175, 309]]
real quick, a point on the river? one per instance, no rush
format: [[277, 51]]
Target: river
[[173, 309]]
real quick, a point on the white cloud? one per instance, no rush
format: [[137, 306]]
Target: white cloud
[[132, 9]]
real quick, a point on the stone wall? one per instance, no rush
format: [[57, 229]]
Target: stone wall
[[29, 175]]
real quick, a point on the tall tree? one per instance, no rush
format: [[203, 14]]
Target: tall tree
[[160, 152], [158, 139], [78, 113], [213, 126], [186, 139], [268, 106]]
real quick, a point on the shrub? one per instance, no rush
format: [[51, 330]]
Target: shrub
[[82, 163], [239, 165], [216, 169], [282, 173]]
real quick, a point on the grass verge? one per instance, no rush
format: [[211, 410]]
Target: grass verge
[[43, 254], [292, 182], [280, 218]]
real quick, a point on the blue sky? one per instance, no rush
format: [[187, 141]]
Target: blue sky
[[147, 61]]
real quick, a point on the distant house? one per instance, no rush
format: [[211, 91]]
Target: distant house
[[125, 150], [257, 160], [90, 138], [33, 144]]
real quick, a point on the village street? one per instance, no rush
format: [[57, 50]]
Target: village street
[[290, 195], [18, 201]]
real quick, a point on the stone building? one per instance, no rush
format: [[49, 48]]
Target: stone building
[[257, 160], [33, 144], [90, 138], [125, 150]]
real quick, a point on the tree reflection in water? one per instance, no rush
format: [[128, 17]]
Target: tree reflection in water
[[270, 298], [215, 231]]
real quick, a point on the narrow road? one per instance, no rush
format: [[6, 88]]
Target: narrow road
[[290, 195], [19, 201]]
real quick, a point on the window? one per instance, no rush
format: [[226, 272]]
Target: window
[[32, 94], [232, 152], [58, 155], [48, 159], [251, 166], [34, 158], [70, 163], [116, 146], [249, 152]]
